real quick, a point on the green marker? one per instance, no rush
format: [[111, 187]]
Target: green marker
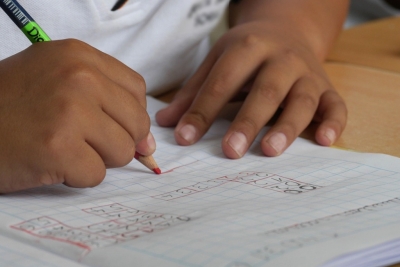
[[24, 21]]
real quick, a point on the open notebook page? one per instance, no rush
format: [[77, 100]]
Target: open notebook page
[[380, 255], [13, 253], [303, 208]]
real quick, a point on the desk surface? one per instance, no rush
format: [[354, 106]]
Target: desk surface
[[373, 100], [371, 86], [375, 44]]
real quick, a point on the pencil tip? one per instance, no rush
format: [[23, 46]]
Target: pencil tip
[[157, 170]]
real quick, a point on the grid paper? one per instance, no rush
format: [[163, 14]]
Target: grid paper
[[206, 210], [13, 253]]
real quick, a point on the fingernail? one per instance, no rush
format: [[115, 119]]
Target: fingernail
[[331, 135], [238, 142], [151, 142], [278, 142], [188, 132]]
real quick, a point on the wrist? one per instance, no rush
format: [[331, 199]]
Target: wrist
[[317, 23], [292, 32]]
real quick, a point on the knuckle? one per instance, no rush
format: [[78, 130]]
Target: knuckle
[[139, 81], [337, 103], [78, 75], [315, 78], [73, 45], [217, 89], [249, 124], [54, 145], [252, 41], [270, 93], [72, 49], [199, 117], [306, 100], [57, 136], [290, 128], [290, 56], [66, 112]]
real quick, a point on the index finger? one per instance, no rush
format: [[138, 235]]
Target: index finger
[[225, 78]]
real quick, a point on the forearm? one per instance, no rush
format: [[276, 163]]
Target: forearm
[[318, 22]]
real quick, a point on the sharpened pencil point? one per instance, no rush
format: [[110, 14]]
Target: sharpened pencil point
[[148, 161]]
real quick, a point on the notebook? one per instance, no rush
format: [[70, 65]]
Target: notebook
[[311, 206]]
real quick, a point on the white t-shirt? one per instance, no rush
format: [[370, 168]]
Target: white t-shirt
[[163, 40]]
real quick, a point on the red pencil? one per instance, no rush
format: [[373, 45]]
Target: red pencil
[[149, 162]]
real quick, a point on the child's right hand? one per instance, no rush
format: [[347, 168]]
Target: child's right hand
[[68, 111]]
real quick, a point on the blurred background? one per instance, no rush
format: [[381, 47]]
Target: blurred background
[[362, 11]]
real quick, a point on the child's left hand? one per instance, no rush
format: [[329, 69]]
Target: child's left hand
[[279, 69]]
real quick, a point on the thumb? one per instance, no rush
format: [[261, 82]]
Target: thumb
[[147, 146]]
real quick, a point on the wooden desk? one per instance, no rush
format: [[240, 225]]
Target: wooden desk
[[375, 44], [372, 94], [373, 100]]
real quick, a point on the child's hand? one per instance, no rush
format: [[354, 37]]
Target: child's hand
[[68, 111], [279, 69]]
